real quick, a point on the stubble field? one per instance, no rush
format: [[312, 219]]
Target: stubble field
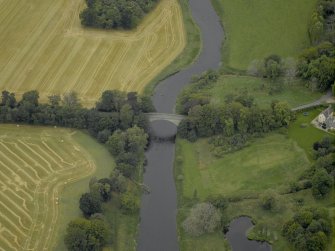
[[44, 47], [36, 163]]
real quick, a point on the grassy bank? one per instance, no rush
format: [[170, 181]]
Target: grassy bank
[[256, 29], [188, 55]]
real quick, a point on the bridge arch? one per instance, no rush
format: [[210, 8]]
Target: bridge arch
[[173, 118]]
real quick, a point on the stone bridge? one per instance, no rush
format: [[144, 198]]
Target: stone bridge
[[173, 118]]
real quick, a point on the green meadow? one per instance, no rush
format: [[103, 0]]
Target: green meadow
[[256, 29]]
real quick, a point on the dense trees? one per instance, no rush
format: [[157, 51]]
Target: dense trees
[[233, 121], [128, 149], [317, 64], [113, 14], [309, 229], [83, 234], [115, 110]]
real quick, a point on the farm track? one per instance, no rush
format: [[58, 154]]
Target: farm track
[[44, 47], [33, 171]]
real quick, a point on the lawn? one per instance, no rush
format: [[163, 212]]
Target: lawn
[[44, 47], [256, 29], [292, 92], [36, 165], [302, 127]]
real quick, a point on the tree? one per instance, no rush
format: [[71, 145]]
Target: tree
[[54, 100], [203, 218], [126, 116], [8, 99], [322, 183], [71, 100], [90, 204], [111, 101], [30, 97], [82, 234]]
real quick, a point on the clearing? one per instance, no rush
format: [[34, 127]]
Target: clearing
[[44, 47], [259, 28]]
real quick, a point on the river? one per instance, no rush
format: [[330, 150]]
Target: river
[[158, 227]]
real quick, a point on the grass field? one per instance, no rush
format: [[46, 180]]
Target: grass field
[[44, 47], [294, 92], [256, 29], [272, 161], [36, 163]]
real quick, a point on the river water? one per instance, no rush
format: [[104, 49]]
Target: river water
[[158, 227]]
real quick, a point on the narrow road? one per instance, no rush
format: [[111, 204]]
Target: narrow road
[[327, 98]]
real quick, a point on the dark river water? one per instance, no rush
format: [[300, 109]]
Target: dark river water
[[158, 227]]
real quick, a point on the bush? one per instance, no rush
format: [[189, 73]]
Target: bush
[[203, 218], [129, 203], [269, 201]]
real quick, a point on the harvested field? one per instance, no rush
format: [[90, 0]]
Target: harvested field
[[44, 47], [36, 163]]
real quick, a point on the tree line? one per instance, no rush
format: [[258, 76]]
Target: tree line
[[114, 110], [230, 123], [114, 14], [317, 63]]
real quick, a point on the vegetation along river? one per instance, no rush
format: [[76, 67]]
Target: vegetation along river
[[158, 227]]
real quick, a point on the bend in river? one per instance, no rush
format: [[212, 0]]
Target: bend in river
[[158, 227]]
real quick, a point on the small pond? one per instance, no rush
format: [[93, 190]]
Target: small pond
[[237, 236]]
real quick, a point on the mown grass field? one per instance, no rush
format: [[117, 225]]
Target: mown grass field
[[293, 92], [256, 29], [36, 164], [44, 47]]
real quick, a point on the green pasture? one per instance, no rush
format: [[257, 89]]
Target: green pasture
[[258, 28]]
